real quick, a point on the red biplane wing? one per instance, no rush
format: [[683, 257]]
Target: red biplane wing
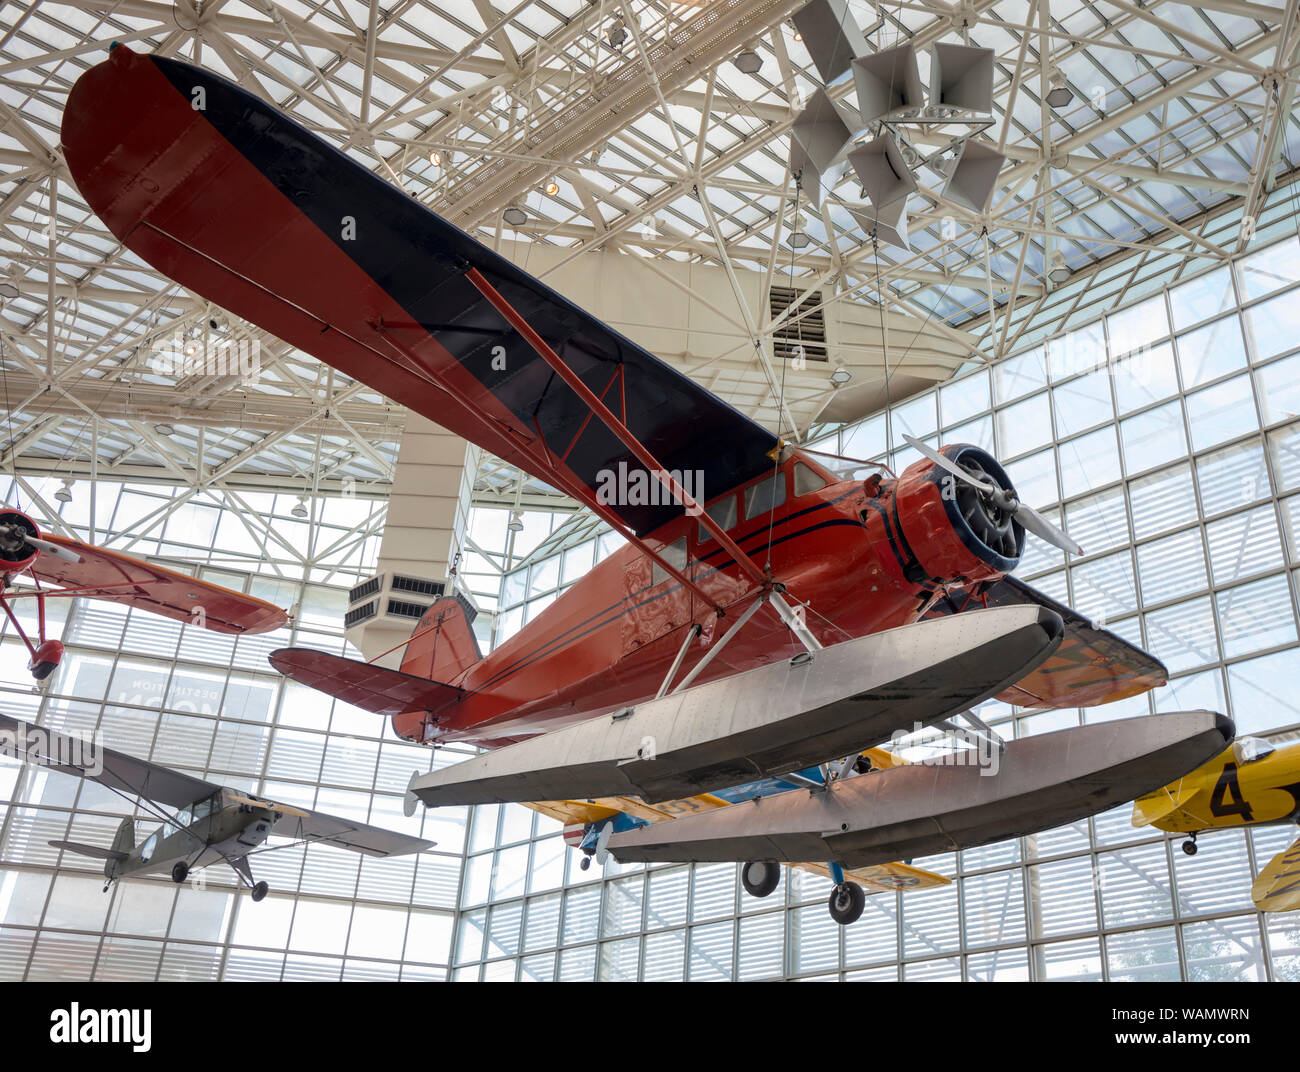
[[105, 574], [1092, 666], [225, 194], [371, 688]]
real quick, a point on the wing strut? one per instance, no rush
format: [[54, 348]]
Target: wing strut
[[593, 402]]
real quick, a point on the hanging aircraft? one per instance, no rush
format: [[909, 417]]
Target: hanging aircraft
[[59, 567], [201, 823], [826, 603], [1252, 783]]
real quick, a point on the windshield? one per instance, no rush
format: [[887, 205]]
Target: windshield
[[1250, 750], [846, 468]]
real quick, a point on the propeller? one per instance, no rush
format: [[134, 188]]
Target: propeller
[[1021, 512], [282, 809], [16, 533], [410, 801], [602, 843]]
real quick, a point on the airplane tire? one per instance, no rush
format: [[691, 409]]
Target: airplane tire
[[43, 670], [180, 872], [260, 891], [760, 877], [1189, 847], [847, 901]]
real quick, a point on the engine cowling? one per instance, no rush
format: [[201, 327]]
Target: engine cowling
[[954, 532], [16, 554]]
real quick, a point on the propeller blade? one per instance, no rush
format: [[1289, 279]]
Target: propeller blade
[[1030, 518], [944, 462], [410, 801], [602, 843], [53, 549], [1036, 523]]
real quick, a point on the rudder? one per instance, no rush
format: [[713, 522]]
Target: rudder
[[443, 644], [124, 842]]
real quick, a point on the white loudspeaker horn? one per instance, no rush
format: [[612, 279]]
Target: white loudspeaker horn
[[973, 175], [888, 224], [961, 76], [823, 131], [831, 36], [888, 81], [880, 168]]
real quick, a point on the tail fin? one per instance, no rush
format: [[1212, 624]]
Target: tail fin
[[123, 842], [443, 644]]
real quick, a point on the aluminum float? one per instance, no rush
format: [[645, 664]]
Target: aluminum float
[[916, 810], [818, 706]]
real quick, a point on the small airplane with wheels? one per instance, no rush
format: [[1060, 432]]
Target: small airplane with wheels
[[62, 568], [1252, 783], [201, 823], [787, 611]]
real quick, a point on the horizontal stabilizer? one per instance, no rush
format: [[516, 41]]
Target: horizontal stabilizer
[[1278, 887], [95, 852], [371, 688]]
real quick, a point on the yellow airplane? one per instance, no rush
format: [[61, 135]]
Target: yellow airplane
[[585, 819], [1251, 783]]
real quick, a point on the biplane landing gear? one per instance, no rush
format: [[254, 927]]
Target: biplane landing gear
[[1190, 846], [180, 871], [847, 901], [585, 863], [760, 877], [260, 891]]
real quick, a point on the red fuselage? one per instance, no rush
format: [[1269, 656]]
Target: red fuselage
[[840, 547]]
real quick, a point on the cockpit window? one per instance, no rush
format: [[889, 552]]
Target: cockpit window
[[806, 480], [764, 496], [1250, 750]]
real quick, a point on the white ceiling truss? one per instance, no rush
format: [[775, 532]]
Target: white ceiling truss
[[659, 147]]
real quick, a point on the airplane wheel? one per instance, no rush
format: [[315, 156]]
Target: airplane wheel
[[260, 891], [584, 863], [43, 670], [760, 877], [848, 899], [1189, 847], [180, 872]]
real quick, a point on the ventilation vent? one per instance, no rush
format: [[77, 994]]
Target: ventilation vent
[[808, 332], [361, 614], [402, 609], [366, 589], [417, 586]]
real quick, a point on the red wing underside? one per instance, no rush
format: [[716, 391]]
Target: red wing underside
[[1091, 667], [105, 574], [371, 688]]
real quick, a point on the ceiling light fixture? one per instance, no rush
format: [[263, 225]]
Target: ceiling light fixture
[[8, 290], [617, 33], [841, 376], [552, 188], [748, 61], [64, 494], [1060, 94], [435, 158], [515, 216], [300, 508], [164, 429], [516, 521], [1059, 272]]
